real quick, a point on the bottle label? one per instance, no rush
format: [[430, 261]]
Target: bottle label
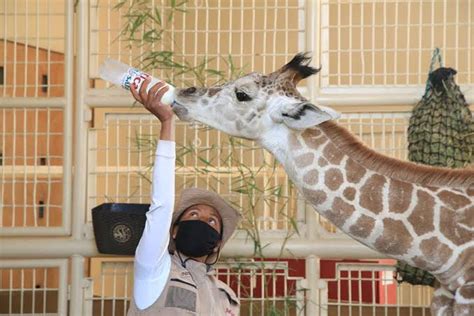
[[135, 76]]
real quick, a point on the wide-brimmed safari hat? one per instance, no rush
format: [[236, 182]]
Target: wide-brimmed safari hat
[[193, 196]]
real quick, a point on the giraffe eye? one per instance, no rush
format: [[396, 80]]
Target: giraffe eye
[[242, 96]]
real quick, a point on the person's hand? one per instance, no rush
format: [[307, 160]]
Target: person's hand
[[152, 100]]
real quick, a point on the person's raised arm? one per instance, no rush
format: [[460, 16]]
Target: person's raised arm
[[152, 261]]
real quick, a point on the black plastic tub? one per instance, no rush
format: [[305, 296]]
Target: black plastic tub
[[118, 227]]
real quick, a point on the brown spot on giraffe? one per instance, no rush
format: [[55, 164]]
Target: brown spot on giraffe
[[322, 162], [395, 238], [333, 179], [449, 227], [435, 253], [311, 139], [442, 302], [371, 194], [304, 160], [467, 293], [312, 132], [453, 200], [294, 142], [463, 260], [311, 177], [399, 196], [422, 216], [363, 226], [354, 171], [349, 193], [315, 143], [315, 197], [470, 191], [340, 212], [332, 154], [213, 91], [420, 262], [466, 216]]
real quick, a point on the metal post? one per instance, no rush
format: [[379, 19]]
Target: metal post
[[68, 108], [81, 126], [312, 277], [76, 294]]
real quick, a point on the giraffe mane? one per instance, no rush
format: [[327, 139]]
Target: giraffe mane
[[395, 168], [300, 65]]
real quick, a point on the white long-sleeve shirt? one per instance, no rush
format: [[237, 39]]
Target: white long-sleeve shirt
[[152, 260]]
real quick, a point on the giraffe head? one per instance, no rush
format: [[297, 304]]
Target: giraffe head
[[255, 104]]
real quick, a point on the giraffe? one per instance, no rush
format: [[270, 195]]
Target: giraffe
[[419, 214]]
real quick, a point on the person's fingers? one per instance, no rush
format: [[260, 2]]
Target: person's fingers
[[143, 94], [135, 95], [155, 89], [160, 93]]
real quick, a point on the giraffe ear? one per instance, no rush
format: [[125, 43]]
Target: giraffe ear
[[305, 115]]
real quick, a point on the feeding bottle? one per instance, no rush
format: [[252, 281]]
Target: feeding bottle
[[124, 75]]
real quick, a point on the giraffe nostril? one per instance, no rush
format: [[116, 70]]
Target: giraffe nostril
[[190, 90]]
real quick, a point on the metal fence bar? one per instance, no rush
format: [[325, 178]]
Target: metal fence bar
[[62, 266], [81, 126]]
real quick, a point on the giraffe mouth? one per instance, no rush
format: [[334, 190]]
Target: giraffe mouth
[[181, 111]]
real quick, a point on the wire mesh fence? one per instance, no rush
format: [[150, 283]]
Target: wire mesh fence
[[372, 289], [32, 48], [33, 288], [31, 166], [389, 43]]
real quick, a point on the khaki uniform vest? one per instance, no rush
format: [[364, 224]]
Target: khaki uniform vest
[[191, 291]]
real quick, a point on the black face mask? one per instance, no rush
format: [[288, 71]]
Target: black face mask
[[196, 238]]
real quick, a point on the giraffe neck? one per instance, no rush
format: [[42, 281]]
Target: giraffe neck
[[397, 218]]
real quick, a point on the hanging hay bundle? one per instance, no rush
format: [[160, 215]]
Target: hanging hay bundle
[[441, 133]]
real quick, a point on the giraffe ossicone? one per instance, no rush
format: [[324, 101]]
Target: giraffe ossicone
[[419, 214]]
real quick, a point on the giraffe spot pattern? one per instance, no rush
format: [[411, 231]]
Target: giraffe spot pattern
[[450, 229], [463, 260], [304, 160], [311, 132], [466, 217], [470, 191], [349, 193], [421, 217], [363, 226], [340, 212], [371, 194], [332, 154], [322, 162], [435, 253], [333, 179], [315, 197], [467, 292], [439, 302], [354, 172], [453, 200], [395, 238], [294, 142], [311, 139], [399, 196], [311, 177]]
